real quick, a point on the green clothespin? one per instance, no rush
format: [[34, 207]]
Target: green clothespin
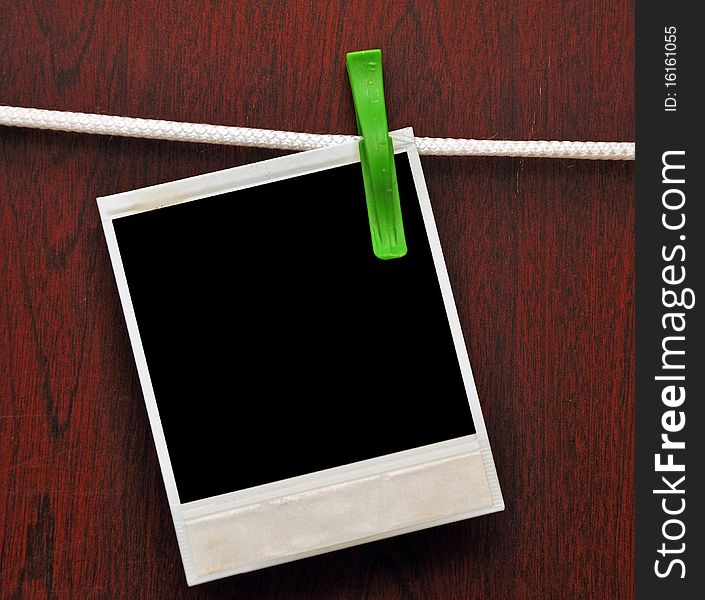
[[376, 154]]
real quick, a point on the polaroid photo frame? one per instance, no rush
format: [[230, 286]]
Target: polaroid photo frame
[[304, 396]]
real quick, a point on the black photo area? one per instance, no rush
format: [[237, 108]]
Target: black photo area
[[277, 343]]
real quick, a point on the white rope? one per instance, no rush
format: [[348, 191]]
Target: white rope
[[13, 116]]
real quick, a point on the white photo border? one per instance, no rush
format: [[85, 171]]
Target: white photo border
[[237, 178]]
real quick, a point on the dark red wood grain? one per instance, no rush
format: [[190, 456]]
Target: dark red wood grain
[[540, 254]]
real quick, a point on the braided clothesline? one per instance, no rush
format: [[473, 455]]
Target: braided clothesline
[[13, 116]]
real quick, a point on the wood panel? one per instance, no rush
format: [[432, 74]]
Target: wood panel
[[540, 254]]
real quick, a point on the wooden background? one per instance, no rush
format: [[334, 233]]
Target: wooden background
[[540, 253]]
